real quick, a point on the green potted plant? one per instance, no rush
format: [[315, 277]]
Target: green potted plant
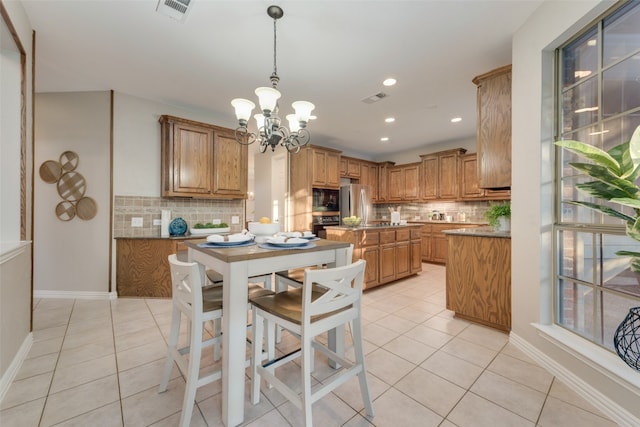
[[499, 216], [615, 173]]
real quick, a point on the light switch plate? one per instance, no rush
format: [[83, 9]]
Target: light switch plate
[[157, 222], [136, 222]]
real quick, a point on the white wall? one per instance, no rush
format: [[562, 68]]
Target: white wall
[[136, 136], [413, 156], [615, 386], [15, 265], [73, 255]]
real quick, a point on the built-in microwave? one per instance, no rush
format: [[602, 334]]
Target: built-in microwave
[[325, 200]]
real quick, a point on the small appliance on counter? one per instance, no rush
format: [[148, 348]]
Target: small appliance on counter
[[395, 216]]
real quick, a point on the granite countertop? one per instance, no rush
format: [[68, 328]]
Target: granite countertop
[[479, 232], [157, 236], [370, 227]]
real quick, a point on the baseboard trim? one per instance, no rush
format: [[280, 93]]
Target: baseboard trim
[[75, 295], [11, 372], [600, 401]]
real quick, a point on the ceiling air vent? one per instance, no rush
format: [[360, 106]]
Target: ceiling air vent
[[176, 9], [374, 98]]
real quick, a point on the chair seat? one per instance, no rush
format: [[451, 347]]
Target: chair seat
[[213, 294], [288, 305]]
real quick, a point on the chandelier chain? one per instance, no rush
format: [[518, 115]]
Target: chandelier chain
[[275, 65]]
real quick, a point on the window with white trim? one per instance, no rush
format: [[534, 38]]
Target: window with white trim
[[598, 95]]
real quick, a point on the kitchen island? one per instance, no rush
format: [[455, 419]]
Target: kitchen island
[[142, 266], [478, 283], [391, 252]]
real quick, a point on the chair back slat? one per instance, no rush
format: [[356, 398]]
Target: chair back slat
[[186, 283], [342, 285]]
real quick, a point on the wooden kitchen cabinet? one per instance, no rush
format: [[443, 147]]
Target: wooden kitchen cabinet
[[470, 188], [311, 167], [325, 167], [481, 291], [391, 252], [434, 241], [404, 182], [494, 128], [349, 167], [440, 175], [200, 160], [142, 267], [383, 181], [369, 177]]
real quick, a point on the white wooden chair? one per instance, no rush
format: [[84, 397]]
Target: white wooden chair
[[187, 281], [199, 305], [329, 298]]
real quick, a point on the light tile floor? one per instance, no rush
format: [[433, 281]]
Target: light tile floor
[[98, 363]]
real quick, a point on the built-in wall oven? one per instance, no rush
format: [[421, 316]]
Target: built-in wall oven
[[320, 221], [325, 200]]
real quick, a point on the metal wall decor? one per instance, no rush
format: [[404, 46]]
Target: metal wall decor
[[627, 339], [71, 187]]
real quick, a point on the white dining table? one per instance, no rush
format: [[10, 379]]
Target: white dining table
[[237, 264]]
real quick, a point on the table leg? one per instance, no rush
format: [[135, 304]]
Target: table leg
[[234, 342], [336, 337]]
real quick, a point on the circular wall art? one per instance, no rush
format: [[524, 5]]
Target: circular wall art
[[65, 210], [69, 161], [71, 187], [86, 208], [50, 171]]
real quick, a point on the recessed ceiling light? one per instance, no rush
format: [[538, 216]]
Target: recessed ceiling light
[[390, 119], [313, 117], [456, 119], [389, 82], [384, 139]]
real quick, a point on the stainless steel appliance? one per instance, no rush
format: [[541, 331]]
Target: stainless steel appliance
[[355, 200], [325, 200], [319, 222]]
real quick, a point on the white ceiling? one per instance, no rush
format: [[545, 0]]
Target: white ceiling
[[332, 53]]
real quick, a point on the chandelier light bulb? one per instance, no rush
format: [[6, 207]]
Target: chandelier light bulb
[[268, 99], [303, 110], [243, 109], [271, 133], [294, 123]]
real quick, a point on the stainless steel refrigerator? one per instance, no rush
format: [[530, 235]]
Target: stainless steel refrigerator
[[355, 200]]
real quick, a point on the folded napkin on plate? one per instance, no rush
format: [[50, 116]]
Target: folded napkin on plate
[[297, 240], [215, 238], [239, 237], [277, 239]]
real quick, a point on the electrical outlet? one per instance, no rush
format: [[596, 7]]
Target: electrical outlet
[[157, 222], [235, 219], [136, 222]]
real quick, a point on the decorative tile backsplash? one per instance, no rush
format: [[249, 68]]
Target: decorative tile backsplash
[[191, 210], [471, 211]]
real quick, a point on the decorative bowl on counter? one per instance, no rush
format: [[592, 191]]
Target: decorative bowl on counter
[[262, 231], [351, 221]]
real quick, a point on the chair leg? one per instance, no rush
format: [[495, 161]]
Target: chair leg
[[356, 333], [256, 355], [172, 346], [217, 331], [192, 373], [307, 369]]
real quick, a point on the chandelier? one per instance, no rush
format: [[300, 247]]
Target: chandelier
[[270, 132]]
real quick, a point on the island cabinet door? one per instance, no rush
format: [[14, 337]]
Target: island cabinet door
[[387, 263], [416, 256], [371, 255], [403, 259]]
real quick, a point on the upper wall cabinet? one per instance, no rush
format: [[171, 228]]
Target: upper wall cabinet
[[404, 182], [494, 128], [202, 161], [440, 175], [325, 167], [349, 167]]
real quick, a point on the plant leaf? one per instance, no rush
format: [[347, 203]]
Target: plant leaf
[[628, 253], [633, 230], [595, 154], [601, 190], [603, 174], [634, 147], [603, 209], [635, 265], [632, 203]]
